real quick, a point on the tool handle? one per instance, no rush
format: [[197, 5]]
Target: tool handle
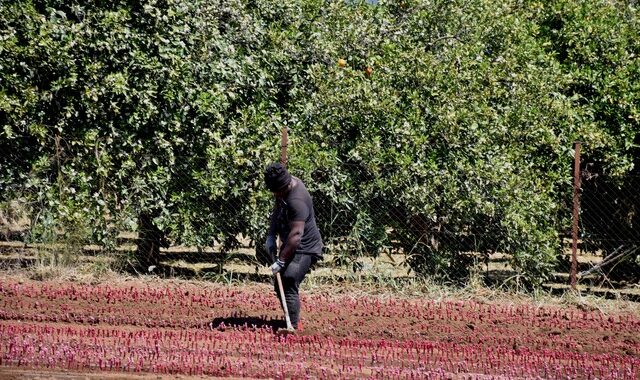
[[284, 302]]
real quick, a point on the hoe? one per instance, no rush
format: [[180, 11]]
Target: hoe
[[289, 329]]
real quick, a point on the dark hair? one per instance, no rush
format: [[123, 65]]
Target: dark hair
[[276, 177]]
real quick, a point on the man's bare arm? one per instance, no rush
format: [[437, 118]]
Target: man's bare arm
[[293, 241]]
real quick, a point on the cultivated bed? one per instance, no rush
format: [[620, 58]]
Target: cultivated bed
[[202, 329]]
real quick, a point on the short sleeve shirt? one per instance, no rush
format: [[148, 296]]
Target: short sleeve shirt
[[298, 206]]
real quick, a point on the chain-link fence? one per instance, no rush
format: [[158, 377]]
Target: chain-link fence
[[189, 217], [609, 233]]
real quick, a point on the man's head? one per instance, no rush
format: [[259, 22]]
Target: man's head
[[276, 177]]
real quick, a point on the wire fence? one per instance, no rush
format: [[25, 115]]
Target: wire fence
[[200, 223], [610, 236]]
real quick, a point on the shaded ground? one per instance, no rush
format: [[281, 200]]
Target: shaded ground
[[195, 329]]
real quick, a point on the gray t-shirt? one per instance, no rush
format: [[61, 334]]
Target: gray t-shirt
[[298, 206]]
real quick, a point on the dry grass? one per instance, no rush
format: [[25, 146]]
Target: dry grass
[[84, 274]]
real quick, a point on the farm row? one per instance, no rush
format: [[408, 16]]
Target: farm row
[[203, 329]]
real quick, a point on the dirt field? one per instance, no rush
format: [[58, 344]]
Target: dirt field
[[138, 329]]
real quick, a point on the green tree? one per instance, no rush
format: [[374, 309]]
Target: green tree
[[597, 45], [444, 126]]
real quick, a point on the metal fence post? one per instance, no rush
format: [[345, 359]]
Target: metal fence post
[[576, 214]]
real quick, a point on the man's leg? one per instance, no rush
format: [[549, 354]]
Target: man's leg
[[292, 276]]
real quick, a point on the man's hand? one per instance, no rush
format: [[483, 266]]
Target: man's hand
[[270, 245], [277, 266]]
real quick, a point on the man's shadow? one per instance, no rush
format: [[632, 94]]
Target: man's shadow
[[247, 322]]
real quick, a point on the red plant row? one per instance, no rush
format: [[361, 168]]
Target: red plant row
[[259, 353], [191, 301], [180, 329]]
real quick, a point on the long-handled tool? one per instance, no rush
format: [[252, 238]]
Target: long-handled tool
[[290, 329], [283, 161]]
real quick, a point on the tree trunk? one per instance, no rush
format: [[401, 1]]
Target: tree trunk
[[150, 239]]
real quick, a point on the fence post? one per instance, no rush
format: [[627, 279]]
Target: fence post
[[283, 146], [576, 214]]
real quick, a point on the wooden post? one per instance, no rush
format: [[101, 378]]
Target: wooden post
[[576, 215], [283, 146]]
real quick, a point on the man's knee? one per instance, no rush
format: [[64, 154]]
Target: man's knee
[[289, 280]]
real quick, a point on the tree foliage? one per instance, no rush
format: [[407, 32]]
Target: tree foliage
[[447, 127]]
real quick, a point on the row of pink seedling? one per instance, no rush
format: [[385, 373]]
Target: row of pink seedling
[[468, 322], [186, 297], [197, 301], [499, 336], [257, 352]]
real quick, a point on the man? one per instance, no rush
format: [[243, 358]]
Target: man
[[294, 221]]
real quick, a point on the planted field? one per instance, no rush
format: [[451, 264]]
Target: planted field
[[168, 328]]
